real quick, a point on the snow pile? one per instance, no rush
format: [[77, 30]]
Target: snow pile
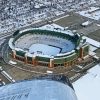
[[86, 23], [12, 62], [88, 86], [49, 72]]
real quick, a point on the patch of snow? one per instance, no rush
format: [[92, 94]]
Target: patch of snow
[[18, 49], [11, 44], [91, 9], [37, 6], [44, 49], [98, 24], [86, 23], [92, 42], [92, 48], [12, 62], [60, 18], [96, 57], [61, 54], [30, 55], [57, 28], [49, 72], [59, 13], [92, 12], [88, 86], [92, 53]]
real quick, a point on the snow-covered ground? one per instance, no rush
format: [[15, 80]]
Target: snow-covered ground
[[92, 12], [92, 42], [12, 62], [92, 48], [44, 49], [88, 86]]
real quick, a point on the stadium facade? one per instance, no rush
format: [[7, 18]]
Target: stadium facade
[[27, 46], [48, 87]]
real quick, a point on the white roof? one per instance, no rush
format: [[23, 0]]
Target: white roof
[[92, 42], [88, 86]]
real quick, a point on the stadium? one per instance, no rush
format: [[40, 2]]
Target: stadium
[[41, 47]]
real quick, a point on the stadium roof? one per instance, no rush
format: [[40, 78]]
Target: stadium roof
[[37, 89]]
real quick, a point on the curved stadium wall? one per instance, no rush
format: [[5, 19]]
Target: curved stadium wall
[[64, 59]]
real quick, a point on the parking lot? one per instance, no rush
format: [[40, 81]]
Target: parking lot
[[70, 20], [95, 35], [3, 79]]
